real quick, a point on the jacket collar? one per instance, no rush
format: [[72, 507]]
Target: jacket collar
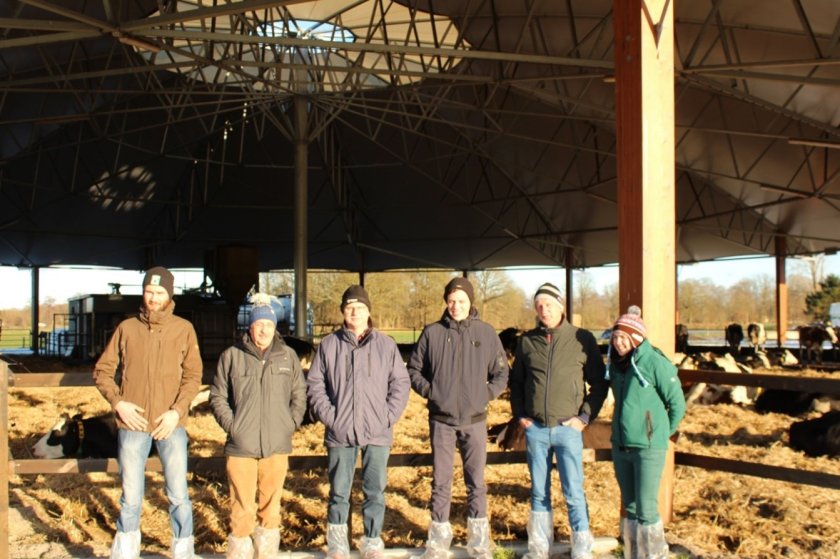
[[157, 317], [450, 322], [248, 345]]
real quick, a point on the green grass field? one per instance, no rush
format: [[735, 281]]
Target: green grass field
[[15, 338]]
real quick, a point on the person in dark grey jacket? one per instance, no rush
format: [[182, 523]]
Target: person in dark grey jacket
[[459, 365], [358, 388], [552, 368], [259, 399]]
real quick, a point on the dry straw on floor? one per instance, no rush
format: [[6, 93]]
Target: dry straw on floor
[[715, 514]]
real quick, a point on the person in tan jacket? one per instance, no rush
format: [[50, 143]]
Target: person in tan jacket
[[157, 356]]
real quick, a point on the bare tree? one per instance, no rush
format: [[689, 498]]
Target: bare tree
[[813, 266]]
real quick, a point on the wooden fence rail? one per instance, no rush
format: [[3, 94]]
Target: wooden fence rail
[[216, 463]]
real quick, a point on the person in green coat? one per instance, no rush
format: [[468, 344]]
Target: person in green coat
[[649, 405]]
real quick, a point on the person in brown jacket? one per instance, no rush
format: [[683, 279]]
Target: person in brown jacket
[[158, 359]]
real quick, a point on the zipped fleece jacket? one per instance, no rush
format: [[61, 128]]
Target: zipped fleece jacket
[[258, 399], [649, 401], [357, 388], [160, 364], [459, 367], [551, 369]]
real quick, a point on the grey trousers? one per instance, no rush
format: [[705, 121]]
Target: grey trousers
[[471, 441]]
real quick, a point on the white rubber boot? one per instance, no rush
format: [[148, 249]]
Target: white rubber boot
[[267, 543], [438, 542], [337, 542], [183, 548], [651, 541], [540, 535], [239, 548], [372, 548], [629, 530], [479, 542], [582, 544], [126, 545]]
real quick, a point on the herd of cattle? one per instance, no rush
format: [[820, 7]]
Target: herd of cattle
[[95, 437]]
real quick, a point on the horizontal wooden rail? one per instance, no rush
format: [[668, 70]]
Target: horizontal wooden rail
[[781, 382], [217, 463], [310, 462], [69, 380], [804, 477]]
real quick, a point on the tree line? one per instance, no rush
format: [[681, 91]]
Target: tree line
[[408, 300]]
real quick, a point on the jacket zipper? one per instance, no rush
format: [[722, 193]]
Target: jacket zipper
[[548, 376]]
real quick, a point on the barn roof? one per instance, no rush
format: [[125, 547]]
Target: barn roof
[[465, 134]]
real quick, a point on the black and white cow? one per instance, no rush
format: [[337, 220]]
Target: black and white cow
[[734, 335], [75, 437], [817, 437], [794, 402], [811, 339], [757, 336]]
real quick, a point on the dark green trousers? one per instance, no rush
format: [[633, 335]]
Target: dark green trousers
[[638, 471]]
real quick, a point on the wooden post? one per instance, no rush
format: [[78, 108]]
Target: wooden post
[[644, 78], [4, 451]]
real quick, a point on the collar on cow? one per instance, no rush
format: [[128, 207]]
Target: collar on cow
[[81, 427]]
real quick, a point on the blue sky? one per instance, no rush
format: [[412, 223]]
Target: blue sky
[[63, 283]]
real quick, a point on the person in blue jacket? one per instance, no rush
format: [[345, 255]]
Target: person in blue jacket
[[649, 405], [358, 388]]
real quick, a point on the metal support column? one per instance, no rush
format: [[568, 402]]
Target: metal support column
[[570, 261], [36, 297], [781, 291], [301, 213]]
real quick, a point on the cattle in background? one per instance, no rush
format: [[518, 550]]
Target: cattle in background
[[508, 436], [704, 393], [509, 338], [757, 336], [304, 348], [734, 335], [794, 402], [811, 339], [681, 338], [74, 437], [817, 437]]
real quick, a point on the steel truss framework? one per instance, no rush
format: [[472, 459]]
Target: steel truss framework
[[462, 133]]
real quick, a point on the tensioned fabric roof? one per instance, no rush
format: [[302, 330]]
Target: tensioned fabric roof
[[461, 133]]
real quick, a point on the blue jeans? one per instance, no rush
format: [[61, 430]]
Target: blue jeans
[[566, 444], [134, 447], [342, 466]]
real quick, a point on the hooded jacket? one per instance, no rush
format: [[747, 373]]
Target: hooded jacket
[[159, 361], [551, 369], [258, 399], [459, 367], [357, 388], [649, 401]]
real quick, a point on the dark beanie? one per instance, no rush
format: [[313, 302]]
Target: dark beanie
[[162, 277], [355, 294], [459, 283]]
